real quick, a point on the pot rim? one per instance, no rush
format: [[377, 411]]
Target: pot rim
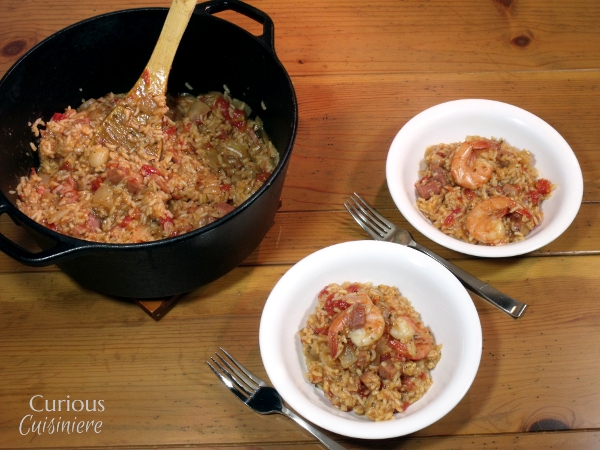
[[75, 245]]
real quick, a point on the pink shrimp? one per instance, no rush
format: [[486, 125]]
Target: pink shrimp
[[484, 223], [413, 341], [362, 322], [468, 168]]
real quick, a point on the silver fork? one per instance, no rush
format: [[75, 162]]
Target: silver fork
[[261, 398], [381, 229]]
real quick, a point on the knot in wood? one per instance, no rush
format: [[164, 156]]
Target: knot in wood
[[13, 48], [548, 425], [551, 418], [521, 41]]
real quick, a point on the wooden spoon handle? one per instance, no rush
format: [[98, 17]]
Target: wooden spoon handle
[[162, 57]]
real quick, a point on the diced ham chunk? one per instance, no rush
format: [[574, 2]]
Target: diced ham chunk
[[224, 208], [429, 186], [115, 175], [358, 316], [509, 189], [371, 380], [387, 370], [93, 223], [134, 183]]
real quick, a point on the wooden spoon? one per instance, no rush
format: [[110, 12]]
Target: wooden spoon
[[135, 123]]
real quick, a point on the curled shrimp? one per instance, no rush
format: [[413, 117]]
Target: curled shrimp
[[484, 222], [468, 168], [362, 322], [413, 341]]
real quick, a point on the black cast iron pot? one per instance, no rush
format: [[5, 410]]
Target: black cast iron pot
[[107, 54]]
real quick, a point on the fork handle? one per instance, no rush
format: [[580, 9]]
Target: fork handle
[[501, 301], [325, 440]]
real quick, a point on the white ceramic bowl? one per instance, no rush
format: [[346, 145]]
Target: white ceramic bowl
[[436, 294], [452, 122]]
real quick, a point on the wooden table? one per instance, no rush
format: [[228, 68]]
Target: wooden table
[[360, 71]]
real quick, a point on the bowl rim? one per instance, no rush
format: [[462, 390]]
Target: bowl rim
[[419, 125], [290, 385]]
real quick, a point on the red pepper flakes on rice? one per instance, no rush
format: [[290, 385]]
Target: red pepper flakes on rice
[[367, 349], [212, 160], [482, 191]]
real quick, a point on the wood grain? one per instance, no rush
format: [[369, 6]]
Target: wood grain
[[89, 346], [360, 71], [343, 37], [295, 235]]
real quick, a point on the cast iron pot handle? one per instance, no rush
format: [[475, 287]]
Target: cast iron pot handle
[[216, 6], [60, 252]]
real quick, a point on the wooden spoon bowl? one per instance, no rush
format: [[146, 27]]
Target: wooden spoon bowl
[[136, 121]]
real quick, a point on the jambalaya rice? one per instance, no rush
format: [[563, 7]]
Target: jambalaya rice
[[481, 191], [212, 158], [368, 350]]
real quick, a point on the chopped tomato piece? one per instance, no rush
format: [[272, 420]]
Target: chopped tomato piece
[[543, 186], [165, 221], [239, 124], [147, 170], [225, 187], [449, 220], [126, 221], [57, 117], [223, 105], [409, 383], [96, 184], [52, 226], [262, 177], [353, 288], [524, 212], [331, 305], [399, 347], [238, 114], [171, 131], [469, 193], [535, 197], [341, 304], [238, 119], [324, 292]]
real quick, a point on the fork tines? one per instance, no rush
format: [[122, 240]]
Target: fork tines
[[235, 376], [369, 219]]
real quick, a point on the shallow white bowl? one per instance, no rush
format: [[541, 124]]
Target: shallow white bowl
[[452, 122], [436, 294]]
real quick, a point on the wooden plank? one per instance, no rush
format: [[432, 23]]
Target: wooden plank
[[295, 235], [573, 440], [523, 441], [319, 36], [154, 382], [361, 71], [347, 125]]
